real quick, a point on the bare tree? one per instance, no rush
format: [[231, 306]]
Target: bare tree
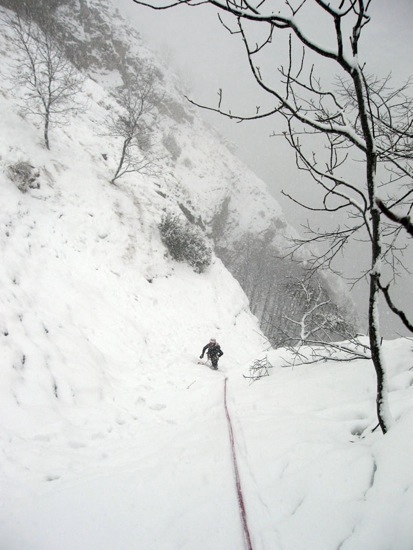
[[51, 83], [312, 328], [319, 318], [351, 134], [272, 284], [133, 126]]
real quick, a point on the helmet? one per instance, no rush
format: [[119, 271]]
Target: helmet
[[212, 341]]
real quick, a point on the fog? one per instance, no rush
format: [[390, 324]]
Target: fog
[[207, 58]]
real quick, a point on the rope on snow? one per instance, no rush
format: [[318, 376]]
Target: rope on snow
[[240, 494]]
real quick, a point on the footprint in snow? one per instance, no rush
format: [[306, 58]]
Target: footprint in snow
[[52, 478], [157, 407], [76, 444], [42, 437], [98, 435]]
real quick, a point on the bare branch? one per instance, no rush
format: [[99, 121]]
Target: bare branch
[[405, 221], [402, 316]]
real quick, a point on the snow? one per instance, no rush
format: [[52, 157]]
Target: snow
[[332, 480], [112, 436]]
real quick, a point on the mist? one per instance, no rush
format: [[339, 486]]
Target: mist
[[208, 59]]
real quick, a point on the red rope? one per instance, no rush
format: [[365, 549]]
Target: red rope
[[241, 502]]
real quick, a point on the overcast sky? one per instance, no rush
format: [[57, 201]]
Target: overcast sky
[[208, 58]]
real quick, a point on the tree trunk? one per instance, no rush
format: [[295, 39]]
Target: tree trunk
[[383, 412], [46, 130], [122, 159]]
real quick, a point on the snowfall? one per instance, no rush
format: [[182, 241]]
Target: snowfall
[[112, 435]]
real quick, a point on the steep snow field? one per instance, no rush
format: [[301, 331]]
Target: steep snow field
[[323, 478], [112, 437], [99, 340]]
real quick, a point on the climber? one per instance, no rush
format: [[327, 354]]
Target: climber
[[214, 352]]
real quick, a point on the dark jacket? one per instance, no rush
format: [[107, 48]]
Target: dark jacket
[[213, 350]]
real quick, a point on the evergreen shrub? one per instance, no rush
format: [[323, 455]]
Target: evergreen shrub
[[185, 242]]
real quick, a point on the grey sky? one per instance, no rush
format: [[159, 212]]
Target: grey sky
[[208, 58]]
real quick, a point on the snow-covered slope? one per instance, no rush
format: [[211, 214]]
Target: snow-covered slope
[[85, 281], [111, 435], [197, 174]]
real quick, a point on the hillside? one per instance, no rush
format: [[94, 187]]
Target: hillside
[[196, 174], [84, 272], [112, 436]]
